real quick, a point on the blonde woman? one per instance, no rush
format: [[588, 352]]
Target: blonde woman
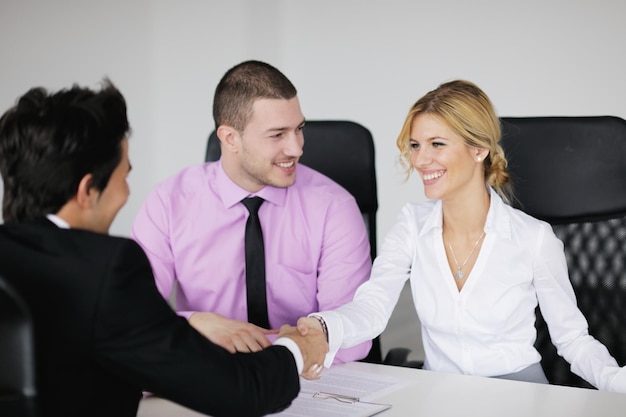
[[477, 267]]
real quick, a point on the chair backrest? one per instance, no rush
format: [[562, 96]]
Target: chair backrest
[[17, 355], [571, 172], [344, 152]]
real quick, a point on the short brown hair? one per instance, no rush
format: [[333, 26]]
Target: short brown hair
[[241, 86]]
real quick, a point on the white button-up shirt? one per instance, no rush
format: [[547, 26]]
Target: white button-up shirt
[[487, 328]]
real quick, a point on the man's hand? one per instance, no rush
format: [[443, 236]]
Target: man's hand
[[313, 347], [232, 335]]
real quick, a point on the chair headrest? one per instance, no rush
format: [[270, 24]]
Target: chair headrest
[[567, 169]]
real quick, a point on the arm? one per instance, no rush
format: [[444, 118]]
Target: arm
[[151, 229], [367, 315], [232, 335], [567, 326], [344, 264], [139, 338]]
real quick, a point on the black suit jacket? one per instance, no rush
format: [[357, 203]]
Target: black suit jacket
[[104, 333]]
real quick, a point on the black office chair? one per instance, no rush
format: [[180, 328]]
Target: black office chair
[[344, 152], [18, 392], [571, 172]]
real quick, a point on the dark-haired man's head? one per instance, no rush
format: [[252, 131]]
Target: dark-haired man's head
[[61, 153]]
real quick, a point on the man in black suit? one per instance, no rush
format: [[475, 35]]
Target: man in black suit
[[103, 331]]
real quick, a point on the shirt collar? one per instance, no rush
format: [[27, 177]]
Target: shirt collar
[[231, 194], [58, 221], [434, 220], [498, 219]]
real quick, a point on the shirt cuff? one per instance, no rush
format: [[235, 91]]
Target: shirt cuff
[[618, 384], [334, 327], [294, 349]]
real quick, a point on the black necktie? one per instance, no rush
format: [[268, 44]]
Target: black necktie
[[255, 265]]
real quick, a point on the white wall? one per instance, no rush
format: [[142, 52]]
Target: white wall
[[350, 59]]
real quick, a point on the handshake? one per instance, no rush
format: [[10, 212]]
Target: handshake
[[312, 340], [239, 336]]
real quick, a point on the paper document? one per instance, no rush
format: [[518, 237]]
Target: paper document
[[343, 392]]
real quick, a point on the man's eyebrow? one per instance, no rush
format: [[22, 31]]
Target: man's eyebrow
[[277, 129], [284, 128]]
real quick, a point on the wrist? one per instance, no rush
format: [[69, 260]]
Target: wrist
[[322, 323]]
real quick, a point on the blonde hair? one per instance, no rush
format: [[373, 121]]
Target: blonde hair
[[467, 111]]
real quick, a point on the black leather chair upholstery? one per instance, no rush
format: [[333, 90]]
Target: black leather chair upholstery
[[344, 152], [17, 356], [571, 172]]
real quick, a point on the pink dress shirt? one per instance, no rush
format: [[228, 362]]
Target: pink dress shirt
[[192, 225]]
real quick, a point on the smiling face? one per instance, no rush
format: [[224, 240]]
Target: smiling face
[[448, 167], [268, 150]]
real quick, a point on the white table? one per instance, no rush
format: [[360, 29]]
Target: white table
[[435, 394]]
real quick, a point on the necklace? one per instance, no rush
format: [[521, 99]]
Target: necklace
[[459, 274]]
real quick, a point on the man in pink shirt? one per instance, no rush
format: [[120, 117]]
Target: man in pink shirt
[[192, 225]]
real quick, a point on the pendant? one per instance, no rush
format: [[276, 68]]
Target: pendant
[[459, 274]]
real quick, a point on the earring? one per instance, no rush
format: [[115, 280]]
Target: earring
[[479, 159]]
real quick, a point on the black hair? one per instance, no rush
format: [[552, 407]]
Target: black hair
[[50, 141]]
